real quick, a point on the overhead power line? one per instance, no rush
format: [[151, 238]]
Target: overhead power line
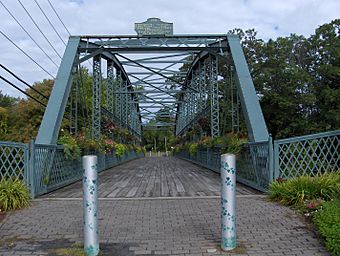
[[37, 26], [24, 82], [54, 10], [48, 20], [10, 13], [16, 87], [28, 56]]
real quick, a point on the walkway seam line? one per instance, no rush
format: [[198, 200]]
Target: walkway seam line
[[142, 198]]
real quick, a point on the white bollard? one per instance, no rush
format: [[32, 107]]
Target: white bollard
[[91, 236], [228, 201], [150, 154]]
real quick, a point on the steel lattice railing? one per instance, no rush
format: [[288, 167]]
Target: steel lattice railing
[[254, 166], [52, 170], [307, 155], [45, 168], [13, 160]]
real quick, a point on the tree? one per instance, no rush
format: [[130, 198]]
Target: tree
[[325, 67], [7, 101], [161, 133], [25, 116]]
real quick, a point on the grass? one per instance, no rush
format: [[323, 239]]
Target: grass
[[13, 195], [318, 198], [70, 252]]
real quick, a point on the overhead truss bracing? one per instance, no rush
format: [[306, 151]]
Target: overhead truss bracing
[[149, 77]]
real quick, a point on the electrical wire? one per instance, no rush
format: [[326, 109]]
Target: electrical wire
[[48, 20], [37, 26], [28, 56], [16, 87], [54, 10], [10, 13], [24, 82]]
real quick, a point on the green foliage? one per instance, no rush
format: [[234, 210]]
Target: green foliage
[[71, 148], [120, 150], [193, 149], [231, 143], [3, 122], [327, 222], [298, 79], [297, 191], [13, 195], [24, 116], [7, 101], [140, 150], [86, 144]]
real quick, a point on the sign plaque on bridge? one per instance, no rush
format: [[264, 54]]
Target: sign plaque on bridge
[[154, 27]]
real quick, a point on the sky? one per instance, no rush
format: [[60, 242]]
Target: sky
[[270, 18]]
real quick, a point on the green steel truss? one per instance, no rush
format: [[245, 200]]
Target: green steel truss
[[96, 97], [145, 75]]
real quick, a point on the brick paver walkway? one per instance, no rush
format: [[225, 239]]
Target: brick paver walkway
[[158, 226]]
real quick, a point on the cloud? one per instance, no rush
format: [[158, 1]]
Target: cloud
[[270, 18]]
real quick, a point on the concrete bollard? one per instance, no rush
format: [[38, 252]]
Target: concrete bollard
[[228, 202], [91, 236]]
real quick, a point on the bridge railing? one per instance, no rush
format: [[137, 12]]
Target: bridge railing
[[45, 168], [254, 163], [254, 166], [14, 160], [259, 163], [307, 155]]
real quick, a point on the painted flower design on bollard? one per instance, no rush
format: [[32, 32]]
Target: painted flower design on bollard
[[91, 239], [228, 201]]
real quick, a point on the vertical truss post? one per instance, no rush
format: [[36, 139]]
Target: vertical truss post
[[200, 87], [235, 106], [110, 86], [118, 108], [128, 110], [214, 105], [96, 97], [124, 104], [190, 103], [76, 105]]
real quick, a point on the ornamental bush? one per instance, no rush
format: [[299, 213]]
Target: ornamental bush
[[71, 148], [297, 191], [120, 150], [193, 149], [13, 195]]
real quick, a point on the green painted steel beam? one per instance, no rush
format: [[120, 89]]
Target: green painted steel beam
[[51, 122], [193, 49], [256, 124], [96, 97]]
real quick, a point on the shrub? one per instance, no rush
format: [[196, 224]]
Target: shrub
[[120, 150], [328, 223], [13, 195], [193, 149], [233, 143], [140, 150], [71, 148], [297, 191]]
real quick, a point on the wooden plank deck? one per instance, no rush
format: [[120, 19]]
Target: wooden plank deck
[[153, 177]]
